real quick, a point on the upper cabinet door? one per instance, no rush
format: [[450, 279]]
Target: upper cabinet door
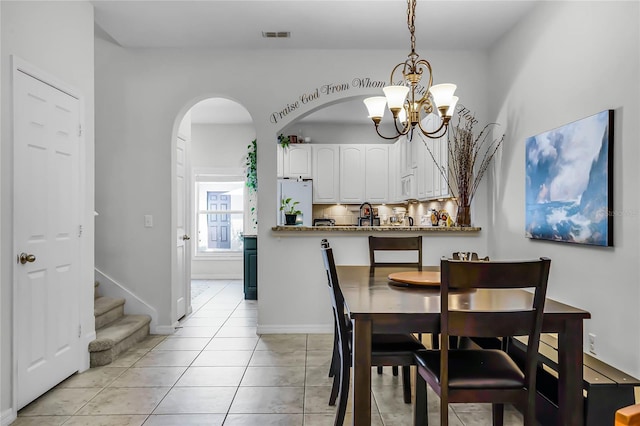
[[352, 173], [376, 173], [279, 161], [297, 161], [326, 173]]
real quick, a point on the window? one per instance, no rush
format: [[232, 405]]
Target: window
[[220, 214]]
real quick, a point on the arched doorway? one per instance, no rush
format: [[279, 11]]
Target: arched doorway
[[210, 197]]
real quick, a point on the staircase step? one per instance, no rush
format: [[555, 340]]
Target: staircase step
[[107, 310], [117, 337]]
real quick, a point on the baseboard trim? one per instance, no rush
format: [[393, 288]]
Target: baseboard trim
[[85, 361], [8, 416], [295, 329], [163, 329], [215, 277]]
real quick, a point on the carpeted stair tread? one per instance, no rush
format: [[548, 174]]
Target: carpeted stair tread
[[109, 336], [104, 304]]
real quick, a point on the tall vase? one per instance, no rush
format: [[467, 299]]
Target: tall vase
[[463, 218]]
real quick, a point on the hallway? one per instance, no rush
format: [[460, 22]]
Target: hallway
[[216, 371]]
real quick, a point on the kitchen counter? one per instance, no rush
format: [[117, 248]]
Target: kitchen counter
[[369, 229]]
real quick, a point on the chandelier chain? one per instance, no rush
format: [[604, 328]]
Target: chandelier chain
[[411, 18]]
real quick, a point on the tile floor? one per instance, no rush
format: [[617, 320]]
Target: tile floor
[[216, 371]]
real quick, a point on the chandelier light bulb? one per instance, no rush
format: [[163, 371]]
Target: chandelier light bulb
[[396, 95], [402, 116], [443, 94], [452, 107], [375, 107]]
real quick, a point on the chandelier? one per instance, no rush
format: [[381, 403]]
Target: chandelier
[[409, 102]]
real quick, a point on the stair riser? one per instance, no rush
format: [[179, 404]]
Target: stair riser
[[109, 316]]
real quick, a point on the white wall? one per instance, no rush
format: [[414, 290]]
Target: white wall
[[566, 61], [139, 96], [219, 146], [32, 31]]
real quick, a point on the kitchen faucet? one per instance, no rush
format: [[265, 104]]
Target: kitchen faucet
[[370, 212]]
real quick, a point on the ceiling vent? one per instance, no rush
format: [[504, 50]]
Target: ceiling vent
[[276, 34]]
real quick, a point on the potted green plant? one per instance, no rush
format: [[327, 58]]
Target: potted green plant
[[283, 140], [288, 206]]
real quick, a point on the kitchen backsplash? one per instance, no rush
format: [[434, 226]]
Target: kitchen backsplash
[[347, 214]]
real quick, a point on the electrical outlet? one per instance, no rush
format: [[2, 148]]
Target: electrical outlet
[[148, 221], [592, 343]]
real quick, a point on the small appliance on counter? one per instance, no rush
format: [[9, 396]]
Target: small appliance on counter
[[324, 222], [398, 216]]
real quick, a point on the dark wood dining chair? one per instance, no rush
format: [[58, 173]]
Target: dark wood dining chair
[[386, 349], [484, 375], [377, 244]]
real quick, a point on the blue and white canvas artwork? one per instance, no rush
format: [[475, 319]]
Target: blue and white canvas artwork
[[568, 182]]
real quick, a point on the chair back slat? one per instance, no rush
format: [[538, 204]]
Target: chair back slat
[[335, 293], [526, 274], [377, 244], [496, 276]]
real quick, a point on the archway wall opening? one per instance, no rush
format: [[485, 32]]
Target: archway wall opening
[[140, 96]]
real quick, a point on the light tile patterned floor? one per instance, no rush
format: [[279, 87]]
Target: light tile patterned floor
[[216, 371]]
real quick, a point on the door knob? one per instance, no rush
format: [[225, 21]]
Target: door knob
[[24, 258], [185, 237]]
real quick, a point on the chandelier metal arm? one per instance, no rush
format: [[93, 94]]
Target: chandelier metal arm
[[392, 137], [438, 133]]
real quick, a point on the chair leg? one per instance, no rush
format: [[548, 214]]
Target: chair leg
[[420, 412], [335, 387], [498, 414], [335, 358], [406, 383], [345, 375], [394, 369], [444, 411], [379, 369]]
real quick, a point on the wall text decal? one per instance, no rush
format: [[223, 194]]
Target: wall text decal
[[329, 89]]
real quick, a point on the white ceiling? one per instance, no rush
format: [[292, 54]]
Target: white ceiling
[[313, 24]]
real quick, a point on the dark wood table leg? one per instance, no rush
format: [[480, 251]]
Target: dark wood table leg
[[570, 399], [361, 372]]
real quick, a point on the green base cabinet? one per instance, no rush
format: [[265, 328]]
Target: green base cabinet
[[251, 268]]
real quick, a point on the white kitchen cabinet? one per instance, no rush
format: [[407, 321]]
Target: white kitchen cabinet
[[394, 174], [279, 161], [444, 162], [352, 174], [297, 161], [376, 173], [326, 173], [430, 183]]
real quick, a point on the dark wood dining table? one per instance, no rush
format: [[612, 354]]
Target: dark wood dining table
[[376, 305]]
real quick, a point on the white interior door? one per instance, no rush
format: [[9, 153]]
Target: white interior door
[[182, 279], [46, 236]]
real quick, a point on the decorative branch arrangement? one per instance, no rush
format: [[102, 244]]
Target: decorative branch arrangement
[[469, 157]]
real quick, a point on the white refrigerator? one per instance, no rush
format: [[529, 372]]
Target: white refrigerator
[[301, 191]]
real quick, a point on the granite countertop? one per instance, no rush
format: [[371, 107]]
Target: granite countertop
[[354, 228]]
